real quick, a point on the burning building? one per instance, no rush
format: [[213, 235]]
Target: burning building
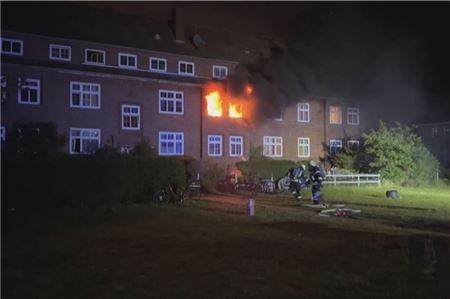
[[167, 85]]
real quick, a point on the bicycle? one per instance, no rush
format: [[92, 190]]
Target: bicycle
[[168, 195]]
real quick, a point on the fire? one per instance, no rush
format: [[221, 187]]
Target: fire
[[248, 89], [235, 110], [214, 104]]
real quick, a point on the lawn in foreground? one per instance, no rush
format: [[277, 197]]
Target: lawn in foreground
[[197, 251]]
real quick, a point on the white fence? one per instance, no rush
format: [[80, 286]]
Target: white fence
[[357, 179]]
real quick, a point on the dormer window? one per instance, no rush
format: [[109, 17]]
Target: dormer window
[[92, 56], [186, 68], [220, 72]]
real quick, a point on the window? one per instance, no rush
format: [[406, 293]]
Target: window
[[447, 130], [434, 131], [171, 102], [273, 146], [85, 95], [236, 146], [158, 64], [353, 145], [29, 91], [84, 141], [335, 146], [3, 88], [220, 72], [352, 116], [131, 117], [2, 133], [185, 68], [92, 56], [335, 115], [59, 52], [171, 143], [303, 147], [12, 46], [214, 145], [303, 112], [127, 61]]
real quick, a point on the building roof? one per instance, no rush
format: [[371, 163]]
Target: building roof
[[75, 21]]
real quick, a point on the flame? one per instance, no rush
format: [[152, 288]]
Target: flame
[[248, 89], [214, 104], [235, 110]]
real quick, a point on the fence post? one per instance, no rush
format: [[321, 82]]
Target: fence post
[[359, 183], [334, 176]]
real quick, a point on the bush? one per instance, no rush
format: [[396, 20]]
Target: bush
[[266, 169], [94, 180], [210, 174]]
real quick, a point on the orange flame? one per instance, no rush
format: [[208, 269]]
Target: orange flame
[[248, 89], [214, 104], [235, 110]]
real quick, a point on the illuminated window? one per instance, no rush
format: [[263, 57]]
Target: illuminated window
[[335, 146], [171, 102], [353, 145], [303, 112], [273, 146], [186, 68], [220, 72], [303, 147], [131, 117], [158, 64], [85, 95], [171, 143], [214, 145], [236, 146], [12, 46], [29, 91], [92, 56], [352, 116], [335, 115], [84, 141], [127, 61], [59, 52]]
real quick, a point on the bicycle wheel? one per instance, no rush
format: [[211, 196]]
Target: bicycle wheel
[[161, 196]]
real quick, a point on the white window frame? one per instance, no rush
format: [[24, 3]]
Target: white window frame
[[332, 109], [351, 142], [306, 146], [131, 114], [37, 87], [186, 73], [174, 100], [127, 66], [352, 112], [434, 131], [303, 108], [81, 92], [2, 133], [94, 63], [277, 141], [157, 60], [59, 47], [220, 68], [174, 141], [238, 142], [11, 40], [215, 142], [333, 144], [71, 138]]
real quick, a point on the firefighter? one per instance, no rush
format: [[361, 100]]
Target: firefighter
[[316, 177], [298, 180]]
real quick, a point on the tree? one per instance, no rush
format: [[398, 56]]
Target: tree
[[399, 155]]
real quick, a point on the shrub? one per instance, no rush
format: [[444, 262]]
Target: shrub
[[210, 174], [266, 169]]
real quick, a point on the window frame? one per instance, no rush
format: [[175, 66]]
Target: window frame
[[185, 73], [131, 114], [174, 100], [330, 113], [11, 40], [82, 92], [94, 63], [352, 141], [220, 67], [19, 92], [355, 112], [220, 143], [158, 60], [81, 139], [240, 143], [334, 141], [434, 132], [60, 47], [174, 141], [275, 155], [127, 55], [303, 145], [307, 111]]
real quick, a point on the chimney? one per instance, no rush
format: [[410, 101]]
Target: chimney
[[179, 24]]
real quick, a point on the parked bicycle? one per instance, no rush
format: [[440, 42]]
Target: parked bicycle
[[169, 195]]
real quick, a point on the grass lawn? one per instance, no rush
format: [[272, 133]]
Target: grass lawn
[[212, 250]]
